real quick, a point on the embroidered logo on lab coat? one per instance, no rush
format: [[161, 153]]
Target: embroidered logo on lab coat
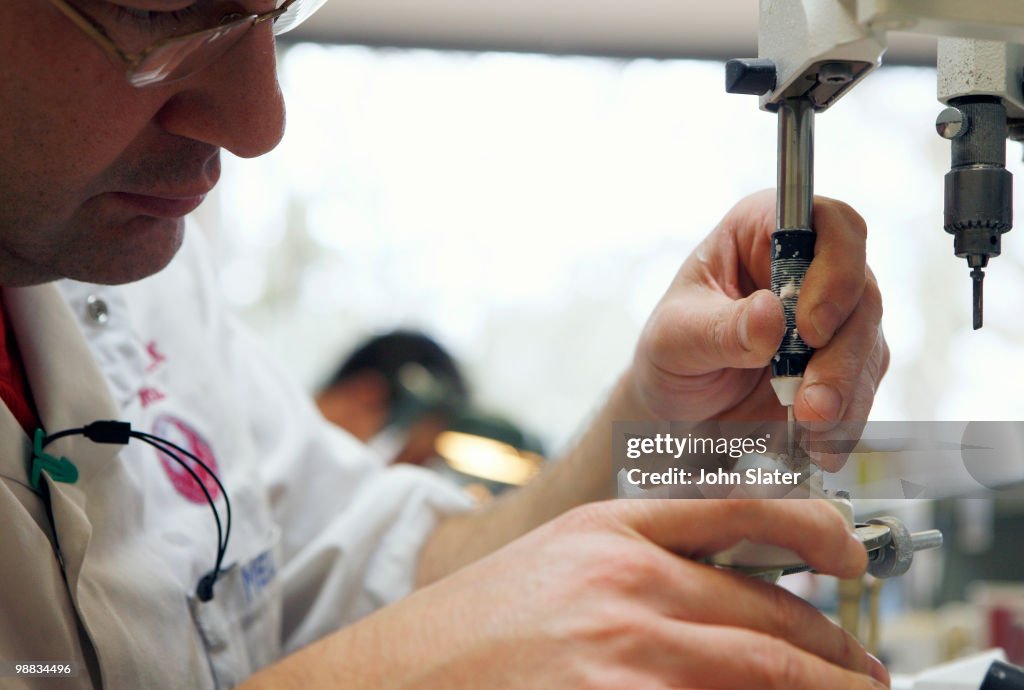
[[180, 433]]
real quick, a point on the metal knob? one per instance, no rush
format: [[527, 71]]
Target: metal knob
[[952, 123], [891, 554], [751, 76]]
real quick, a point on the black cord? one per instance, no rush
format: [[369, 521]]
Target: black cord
[[120, 433], [204, 589], [143, 436], [81, 431]]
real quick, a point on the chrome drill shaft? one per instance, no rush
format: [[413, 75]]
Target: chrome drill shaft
[[793, 241], [796, 165]]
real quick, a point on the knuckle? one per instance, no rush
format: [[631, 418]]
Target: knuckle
[[661, 332], [588, 675], [647, 566], [852, 283], [746, 512], [872, 299], [861, 362], [587, 517], [615, 632], [632, 632], [848, 651], [878, 363], [832, 524], [789, 672], [645, 570], [716, 333], [837, 522], [853, 220], [789, 617], [885, 356], [655, 335], [613, 560], [774, 664]]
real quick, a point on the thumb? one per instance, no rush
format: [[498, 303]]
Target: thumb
[[709, 331]]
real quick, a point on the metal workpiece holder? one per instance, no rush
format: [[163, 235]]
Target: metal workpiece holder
[[888, 542], [891, 546]]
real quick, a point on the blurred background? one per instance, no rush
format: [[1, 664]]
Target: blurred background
[[528, 210], [521, 181]]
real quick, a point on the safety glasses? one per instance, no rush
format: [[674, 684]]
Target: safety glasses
[[178, 56]]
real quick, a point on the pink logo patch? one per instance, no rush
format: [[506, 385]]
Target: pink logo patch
[[148, 396], [181, 434], [156, 358]]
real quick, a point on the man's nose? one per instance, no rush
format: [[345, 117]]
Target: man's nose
[[234, 103]]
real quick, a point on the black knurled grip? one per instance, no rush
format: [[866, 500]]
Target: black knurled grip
[[792, 251]]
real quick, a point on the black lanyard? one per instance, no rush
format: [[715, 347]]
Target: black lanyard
[[61, 469]]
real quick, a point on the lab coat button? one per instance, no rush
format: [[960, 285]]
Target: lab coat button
[[97, 310]]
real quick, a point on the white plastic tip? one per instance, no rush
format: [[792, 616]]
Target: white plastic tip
[[786, 387]]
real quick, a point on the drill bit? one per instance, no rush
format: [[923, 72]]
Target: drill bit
[[790, 432], [978, 280]]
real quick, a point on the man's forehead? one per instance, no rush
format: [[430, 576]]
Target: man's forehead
[[159, 5]]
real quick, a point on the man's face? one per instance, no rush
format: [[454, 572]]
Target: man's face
[[96, 175]]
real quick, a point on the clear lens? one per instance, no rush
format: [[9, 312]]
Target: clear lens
[[178, 58], [299, 12]]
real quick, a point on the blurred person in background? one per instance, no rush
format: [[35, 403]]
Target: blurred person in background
[[396, 392]]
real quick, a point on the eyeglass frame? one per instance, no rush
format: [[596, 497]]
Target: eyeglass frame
[[99, 35]]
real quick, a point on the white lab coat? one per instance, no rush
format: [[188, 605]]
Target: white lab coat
[[322, 532]]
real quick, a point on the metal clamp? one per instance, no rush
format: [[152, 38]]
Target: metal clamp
[[891, 546]]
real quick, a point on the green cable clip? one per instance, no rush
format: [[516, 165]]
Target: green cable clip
[[60, 469]]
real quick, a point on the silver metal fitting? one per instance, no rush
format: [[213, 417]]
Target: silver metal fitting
[[835, 73], [952, 123], [891, 546]]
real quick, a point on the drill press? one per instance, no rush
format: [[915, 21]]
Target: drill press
[[812, 52]]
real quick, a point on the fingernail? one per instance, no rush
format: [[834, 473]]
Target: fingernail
[[743, 331], [824, 400], [856, 556], [825, 318], [879, 672]]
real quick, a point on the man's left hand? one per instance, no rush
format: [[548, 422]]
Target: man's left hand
[[706, 349]]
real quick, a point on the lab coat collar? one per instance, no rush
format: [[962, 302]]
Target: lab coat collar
[[66, 383], [69, 392]]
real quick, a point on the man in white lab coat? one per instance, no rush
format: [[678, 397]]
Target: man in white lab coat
[[112, 118]]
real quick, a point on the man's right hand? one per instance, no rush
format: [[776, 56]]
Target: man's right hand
[[611, 595]]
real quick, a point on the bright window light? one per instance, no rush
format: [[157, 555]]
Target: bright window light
[[529, 211]]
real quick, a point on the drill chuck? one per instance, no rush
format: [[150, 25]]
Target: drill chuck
[[978, 188]]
